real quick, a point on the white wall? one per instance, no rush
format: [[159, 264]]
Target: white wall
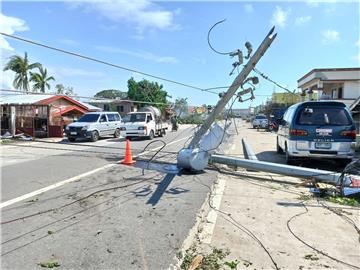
[[351, 90]]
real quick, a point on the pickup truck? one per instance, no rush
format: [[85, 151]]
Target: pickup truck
[[147, 122]]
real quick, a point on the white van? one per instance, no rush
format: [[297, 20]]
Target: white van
[[94, 125]]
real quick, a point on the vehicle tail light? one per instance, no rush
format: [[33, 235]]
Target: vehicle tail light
[[349, 133], [298, 132]]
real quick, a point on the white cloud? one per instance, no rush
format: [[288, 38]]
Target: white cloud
[[67, 41], [299, 21], [249, 8], [312, 3], [280, 16], [330, 36], [140, 54], [6, 79], [10, 25], [61, 72], [142, 13]]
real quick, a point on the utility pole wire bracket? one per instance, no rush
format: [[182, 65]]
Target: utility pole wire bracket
[[239, 80]]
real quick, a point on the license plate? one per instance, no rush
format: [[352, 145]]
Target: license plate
[[323, 145], [73, 133], [324, 131]]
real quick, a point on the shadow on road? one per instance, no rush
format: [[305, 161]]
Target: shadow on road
[[324, 164]]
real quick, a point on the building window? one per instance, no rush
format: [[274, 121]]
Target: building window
[[334, 93], [340, 93], [120, 108]]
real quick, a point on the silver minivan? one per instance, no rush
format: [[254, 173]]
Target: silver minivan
[[94, 125]]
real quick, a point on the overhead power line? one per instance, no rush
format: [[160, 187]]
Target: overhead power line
[[105, 62], [84, 97], [274, 82]]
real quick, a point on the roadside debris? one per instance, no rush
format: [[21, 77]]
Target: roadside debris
[[311, 257], [214, 260], [49, 264]]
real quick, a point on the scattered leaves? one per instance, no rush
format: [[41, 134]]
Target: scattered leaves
[[49, 264], [343, 200], [311, 257], [232, 264], [33, 200]]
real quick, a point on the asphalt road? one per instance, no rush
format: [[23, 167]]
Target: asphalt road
[[115, 218]]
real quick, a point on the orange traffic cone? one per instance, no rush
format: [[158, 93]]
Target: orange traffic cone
[[128, 156]]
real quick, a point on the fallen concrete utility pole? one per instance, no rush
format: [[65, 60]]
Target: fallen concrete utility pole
[[320, 175], [197, 159]]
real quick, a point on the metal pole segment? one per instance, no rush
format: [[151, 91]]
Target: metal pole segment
[[233, 88], [320, 175], [248, 152]]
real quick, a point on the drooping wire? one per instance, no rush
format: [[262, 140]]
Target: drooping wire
[[105, 62], [208, 39], [310, 246]]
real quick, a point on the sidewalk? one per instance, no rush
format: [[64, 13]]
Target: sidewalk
[[253, 212]]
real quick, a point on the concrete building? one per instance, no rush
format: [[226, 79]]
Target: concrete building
[[121, 106], [341, 84]]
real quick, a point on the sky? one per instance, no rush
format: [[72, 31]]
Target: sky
[[169, 39]]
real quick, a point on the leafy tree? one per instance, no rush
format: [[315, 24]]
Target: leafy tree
[[147, 91], [62, 90], [112, 94], [181, 106], [41, 80], [21, 67]]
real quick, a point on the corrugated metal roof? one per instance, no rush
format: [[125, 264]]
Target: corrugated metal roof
[[22, 99], [90, 107]]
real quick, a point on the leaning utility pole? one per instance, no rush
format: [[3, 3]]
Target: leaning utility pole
[[192, 158]]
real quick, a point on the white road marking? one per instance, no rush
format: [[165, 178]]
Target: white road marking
[[209, 226], [72, 179]]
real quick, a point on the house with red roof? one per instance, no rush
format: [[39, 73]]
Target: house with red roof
[[40, 115]]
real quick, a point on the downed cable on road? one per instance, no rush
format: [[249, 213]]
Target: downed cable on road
[[238, 224], [310, 246], [75, 201]]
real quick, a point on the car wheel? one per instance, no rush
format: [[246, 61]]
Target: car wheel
[[94, 136], [289, 159], [278, 148], [151, 135], [117, 133], [71, 139]]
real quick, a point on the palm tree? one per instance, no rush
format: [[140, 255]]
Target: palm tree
[[21, 66], [41, 80]]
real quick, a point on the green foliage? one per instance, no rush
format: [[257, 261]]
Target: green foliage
[[49, 264], [147, 91], [212, 261], [343, 200], [111, 94], [181, 106], [232, 264], [21, 67], [62, 90], [195, 119], [41, 80]]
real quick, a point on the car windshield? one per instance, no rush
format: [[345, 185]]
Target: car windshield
[[324, 116], [135, 117], [89, 118], [260, 117]]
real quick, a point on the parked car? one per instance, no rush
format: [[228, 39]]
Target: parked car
[[316, 129], [260, 121], [94, 125]]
